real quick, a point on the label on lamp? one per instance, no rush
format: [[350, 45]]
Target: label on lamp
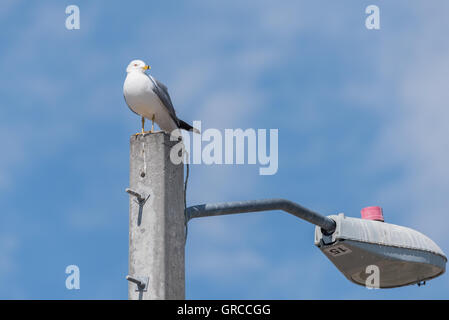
[[337, 250]]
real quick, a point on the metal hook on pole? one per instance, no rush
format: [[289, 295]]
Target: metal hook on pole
[[141, 282], [140, 198]]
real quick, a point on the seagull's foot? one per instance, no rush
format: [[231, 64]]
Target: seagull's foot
[[142, 133], [151, 131]]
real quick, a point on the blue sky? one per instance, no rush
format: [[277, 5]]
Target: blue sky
[[362, 118]]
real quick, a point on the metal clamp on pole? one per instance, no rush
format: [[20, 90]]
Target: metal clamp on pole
[[141, 282], [140, 198]]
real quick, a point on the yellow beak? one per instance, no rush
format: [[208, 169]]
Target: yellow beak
[[146, 68]]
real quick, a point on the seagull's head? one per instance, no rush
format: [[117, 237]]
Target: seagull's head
[[137, 65]]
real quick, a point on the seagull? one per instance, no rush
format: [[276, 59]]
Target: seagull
[[149, 98]]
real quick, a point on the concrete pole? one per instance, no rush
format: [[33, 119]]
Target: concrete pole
[[156, 220]]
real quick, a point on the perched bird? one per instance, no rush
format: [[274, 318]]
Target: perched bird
[[149, 98]]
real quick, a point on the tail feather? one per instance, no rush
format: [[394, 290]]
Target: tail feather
[[184, 125]]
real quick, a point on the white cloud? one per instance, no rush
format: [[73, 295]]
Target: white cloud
[[225, 265], [419, 140], [12, 147], [8, 246], [413, 137], [7, 7]]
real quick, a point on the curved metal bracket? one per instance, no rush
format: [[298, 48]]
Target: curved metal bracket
[[218, 209]]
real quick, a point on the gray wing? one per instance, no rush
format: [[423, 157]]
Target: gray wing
[[162, 92]]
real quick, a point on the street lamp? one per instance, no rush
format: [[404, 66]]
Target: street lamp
[[402, 256]]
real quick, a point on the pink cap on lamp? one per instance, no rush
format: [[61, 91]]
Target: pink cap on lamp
[[372, 213]]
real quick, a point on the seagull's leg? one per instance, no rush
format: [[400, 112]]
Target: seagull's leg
[[152, 124], [143, 127]]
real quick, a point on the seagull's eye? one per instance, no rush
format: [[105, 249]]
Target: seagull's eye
[[135, 64]]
